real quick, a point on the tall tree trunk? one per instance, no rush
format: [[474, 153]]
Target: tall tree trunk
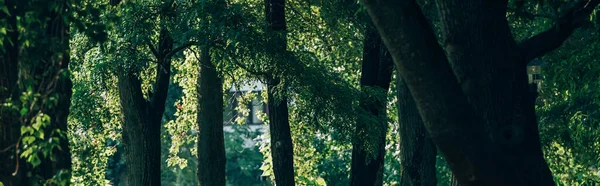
[[478, 110], [417, 153], [142, 118], [211, 147], [377, 66], [47, 69], [279, 126], [495, 81]]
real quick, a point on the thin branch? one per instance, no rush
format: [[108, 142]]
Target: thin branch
[[153, 50], [552, 38], [7, 148], [175, 50]]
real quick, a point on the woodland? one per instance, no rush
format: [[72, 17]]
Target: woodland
[[300, 92]]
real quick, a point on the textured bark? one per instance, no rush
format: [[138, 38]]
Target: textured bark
[[445, 110], [142, 118], [479, 111], [496, 87], [417, 153], [376, 75], [211, 147], [279, 126]]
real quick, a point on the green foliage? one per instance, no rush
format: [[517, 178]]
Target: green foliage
[[568, 110]]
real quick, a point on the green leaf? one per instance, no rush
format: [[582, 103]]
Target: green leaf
[[39, 134], [27, 152], [5, 9], [34, 160], [24, 111], [28, 140], [37, 125], [26, 129]]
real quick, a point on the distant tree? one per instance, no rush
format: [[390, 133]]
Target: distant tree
[[368, 149]]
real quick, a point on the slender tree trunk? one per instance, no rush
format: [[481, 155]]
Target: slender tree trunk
[[279, 125], [377, 66], [211, 147], [142, 118], [417, 153]]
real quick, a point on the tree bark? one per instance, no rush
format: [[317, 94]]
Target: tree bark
[[417, 153], [376, 75], [279, 126], [142, 118], [211, 147], [444, 108], [485, 116]]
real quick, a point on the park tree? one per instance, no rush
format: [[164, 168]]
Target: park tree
[[371, 125], [277, 101], [472, 90]]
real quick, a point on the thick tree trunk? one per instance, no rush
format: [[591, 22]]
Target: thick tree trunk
[[279, 126], [377, 66], [142, 118], [495, 81], [445, 110], [485, 116], [211, 147], [141, 133], [417, 153]]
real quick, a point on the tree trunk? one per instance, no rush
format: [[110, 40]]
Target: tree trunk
[[445, 110], [279, 125], [478, 110], [142, 118], [211, 147], [141, 133], [495, 81], [418, 153], [377, 66]]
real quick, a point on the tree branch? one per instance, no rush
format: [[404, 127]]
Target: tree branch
[[180, 48], [153, 50], [552, 38]]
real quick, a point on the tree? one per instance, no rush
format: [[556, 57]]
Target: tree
[[211, 147], [279, 126], [142, 115], [368, 149], [474, 98], [418, 153], [35, 92]]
